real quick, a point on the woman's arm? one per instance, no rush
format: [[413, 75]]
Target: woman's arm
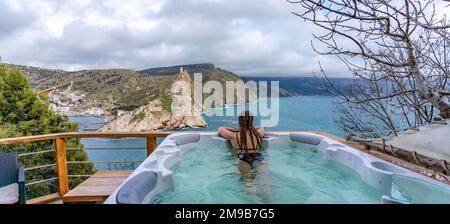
[[227, 133], [232, 129]]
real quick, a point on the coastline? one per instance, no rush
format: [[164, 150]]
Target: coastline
[[314, 110]]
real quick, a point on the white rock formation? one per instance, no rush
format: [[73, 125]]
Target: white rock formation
[[153, 117]]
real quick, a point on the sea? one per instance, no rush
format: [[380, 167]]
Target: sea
[[299, 113]]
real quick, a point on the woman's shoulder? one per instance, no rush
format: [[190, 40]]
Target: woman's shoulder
[[261, 131]]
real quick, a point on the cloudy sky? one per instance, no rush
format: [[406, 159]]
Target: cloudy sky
[[253, 37]]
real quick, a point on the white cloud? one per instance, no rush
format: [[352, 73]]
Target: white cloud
[[255, 37], [13, 19]]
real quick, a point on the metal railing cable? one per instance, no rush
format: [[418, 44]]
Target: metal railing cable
[[39, 167], [35, 153], [40, 181], [48, 180], [115, 148]]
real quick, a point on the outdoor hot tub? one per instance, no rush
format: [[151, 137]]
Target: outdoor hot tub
[[298, 168]]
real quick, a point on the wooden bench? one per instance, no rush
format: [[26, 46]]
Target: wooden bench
[[98, 187]]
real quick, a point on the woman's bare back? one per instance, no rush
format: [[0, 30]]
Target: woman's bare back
[[233, 135]]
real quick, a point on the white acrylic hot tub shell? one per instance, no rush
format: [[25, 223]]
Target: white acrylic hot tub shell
[[374, 171]]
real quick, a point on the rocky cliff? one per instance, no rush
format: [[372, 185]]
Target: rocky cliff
[[111, 92], [155, 115], [139, 100]]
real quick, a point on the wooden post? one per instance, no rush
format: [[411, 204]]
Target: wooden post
[[61, 162], [151, 145]]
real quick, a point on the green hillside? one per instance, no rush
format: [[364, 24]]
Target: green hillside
[[114, 90]]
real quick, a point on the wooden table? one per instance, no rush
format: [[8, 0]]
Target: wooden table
[[98, 187]]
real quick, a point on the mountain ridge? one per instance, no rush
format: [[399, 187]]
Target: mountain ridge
[[171, 70], [301, 86], [104, 92]]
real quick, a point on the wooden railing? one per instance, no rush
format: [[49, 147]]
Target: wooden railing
[[61, 150]]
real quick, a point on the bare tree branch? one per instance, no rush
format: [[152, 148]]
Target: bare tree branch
[[397, 50]]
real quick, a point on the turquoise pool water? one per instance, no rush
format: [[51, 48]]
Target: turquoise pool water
[[290, 173], [415, 191]]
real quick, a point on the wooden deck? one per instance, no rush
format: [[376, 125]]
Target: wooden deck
[[98, 187], [46, 199]]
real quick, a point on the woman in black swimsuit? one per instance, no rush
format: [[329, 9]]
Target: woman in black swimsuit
[[247, 141]]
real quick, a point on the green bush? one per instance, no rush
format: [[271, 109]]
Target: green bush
[[138, 117], [25, 113], [166, 101]]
